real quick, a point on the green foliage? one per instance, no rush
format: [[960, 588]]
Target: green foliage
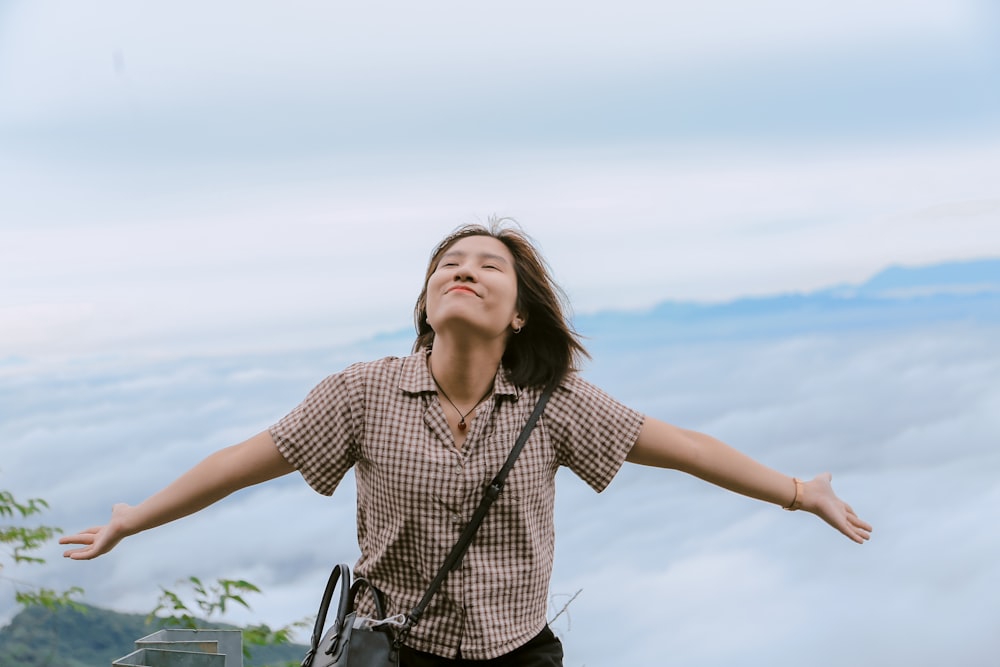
[[49, 598], [24, 538], [171, 611], [263, 635], [212, 600], [94, 637], [20, 540]]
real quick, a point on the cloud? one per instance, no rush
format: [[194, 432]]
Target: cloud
[[306, 37], [193, 234], [156, 196], [240, 268], [336, 79], [904, 417]]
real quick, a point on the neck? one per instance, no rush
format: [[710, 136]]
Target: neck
[[464, 372]]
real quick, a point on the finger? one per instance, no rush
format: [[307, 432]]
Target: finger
[[860, 534], [851, 526], [89, 532], [79, 554], [854, 534], [85, 537], [859, 522], [863, 525]]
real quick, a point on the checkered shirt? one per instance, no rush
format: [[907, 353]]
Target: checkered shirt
[[416, 491]]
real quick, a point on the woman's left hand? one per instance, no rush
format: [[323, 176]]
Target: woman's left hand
[[818, 497]]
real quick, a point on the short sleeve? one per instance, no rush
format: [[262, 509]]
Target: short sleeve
[[319, 437], [591, 431]]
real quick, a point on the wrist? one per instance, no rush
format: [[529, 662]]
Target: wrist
[[796, 502], [123, 521]]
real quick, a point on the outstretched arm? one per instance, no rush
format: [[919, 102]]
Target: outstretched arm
[[666, 446], [220, 474]]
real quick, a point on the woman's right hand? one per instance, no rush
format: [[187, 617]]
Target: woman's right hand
[[251, 462], [98, 540]]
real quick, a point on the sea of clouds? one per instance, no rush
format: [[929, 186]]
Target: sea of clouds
[[893, 392]]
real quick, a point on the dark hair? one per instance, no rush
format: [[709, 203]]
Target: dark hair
[[547, 348]]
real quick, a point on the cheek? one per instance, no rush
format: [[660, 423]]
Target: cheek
[[515, 296], [431, 300], [430, 303], [435, 281]]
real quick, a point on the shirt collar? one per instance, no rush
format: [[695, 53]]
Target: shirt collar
[[416, 377]]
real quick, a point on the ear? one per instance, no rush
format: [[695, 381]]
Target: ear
[[518, 322]]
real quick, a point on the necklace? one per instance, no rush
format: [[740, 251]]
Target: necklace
[[461, 422]]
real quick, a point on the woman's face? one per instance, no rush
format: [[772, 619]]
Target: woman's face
[[474, 289]]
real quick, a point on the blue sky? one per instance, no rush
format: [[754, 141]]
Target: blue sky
[[203, 207]]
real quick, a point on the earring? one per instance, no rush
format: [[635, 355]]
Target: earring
[[517, 330]]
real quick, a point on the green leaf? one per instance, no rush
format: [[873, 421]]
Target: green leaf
[[21, 540]]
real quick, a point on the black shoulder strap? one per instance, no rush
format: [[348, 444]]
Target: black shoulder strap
[[491, 493]]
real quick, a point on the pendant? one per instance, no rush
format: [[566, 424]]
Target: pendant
[[461, 424]]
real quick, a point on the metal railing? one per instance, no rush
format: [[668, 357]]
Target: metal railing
[[186, 648]]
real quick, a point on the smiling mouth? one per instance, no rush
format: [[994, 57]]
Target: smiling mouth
[[462, 289]]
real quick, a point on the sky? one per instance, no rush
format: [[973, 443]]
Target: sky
[[204, 208], [224, 173]]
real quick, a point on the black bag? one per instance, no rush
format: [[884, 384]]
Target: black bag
[[345, 645], [351, 640]]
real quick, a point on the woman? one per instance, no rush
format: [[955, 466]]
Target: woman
[[426, 432]]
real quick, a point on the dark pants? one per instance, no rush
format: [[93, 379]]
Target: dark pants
[[545, 650]]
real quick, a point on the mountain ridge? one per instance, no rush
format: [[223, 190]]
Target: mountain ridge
[[94, 637], [964, 275], [894, 298]]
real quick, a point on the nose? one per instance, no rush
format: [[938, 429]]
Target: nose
[[464, 273]]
